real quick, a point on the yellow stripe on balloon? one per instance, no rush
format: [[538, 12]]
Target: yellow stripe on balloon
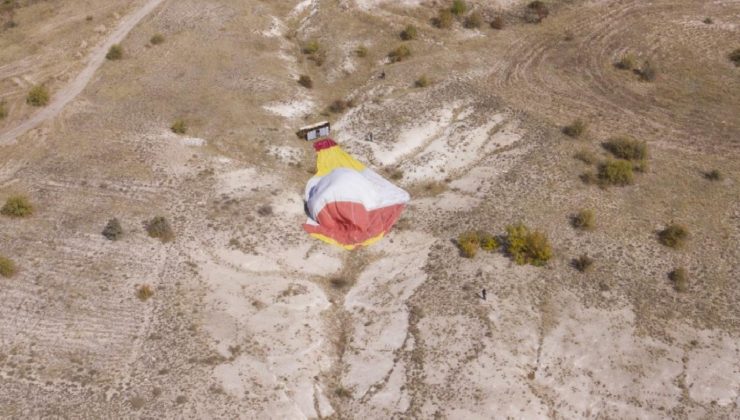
[[333, 158], [331, 241]]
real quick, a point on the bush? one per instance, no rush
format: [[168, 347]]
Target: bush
[[7, 267], [673, 236], [399, 54], [458, 7], [305, 81], [409, 33], [627, 62], [488, 242], [160, 228], [536, 11], [713, 175], [444, 19], [582, 263], [708, 20], [113, 230], [340, 105], [680, 279], [361, 51], [3, 110], [265, 210], [584, 220], [469, 243], [585, 156], [17, 206], [144, 292], [38, 96], [735, 57], [422, 81], [497, 23], [156, 39], [527, 247], [115, 52], [575, 129], [179, 126], [311, 47], [647, 72], [474, 20], [627, 148], [616, 172]]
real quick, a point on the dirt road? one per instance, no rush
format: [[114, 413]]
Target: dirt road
[[61, 98]]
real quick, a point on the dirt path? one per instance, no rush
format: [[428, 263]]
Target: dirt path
[[61, 98]]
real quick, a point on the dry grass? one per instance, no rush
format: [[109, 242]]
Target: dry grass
[[627, 148], [409, 33], [497, 23], [156, 39], [616, 172], [160, 228], [444, 19], [361, 51], [113, 230], [673, 236], [38, 96], [584, 220], [340, 105], [399, 54], [585, 156], [527, 247], [713, 175], [680, 279], [17, 206], [3, 110], [115, 52], [575, 129], [582, 263], [536, 11], [422, 81], [458, 7], [474, 20], [627, 62], [469, 243], [7, 267], [144, 292], [735, 57], [305, 81], [179, 126]]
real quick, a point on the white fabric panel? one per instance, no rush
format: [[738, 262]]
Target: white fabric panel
[[342, 184]]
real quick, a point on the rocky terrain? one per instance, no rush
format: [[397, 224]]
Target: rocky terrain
[[249, 317]]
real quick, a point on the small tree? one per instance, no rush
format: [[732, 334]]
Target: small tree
[[673, 236], [115, 52], [399, 54], [616, 172], [38, 96], [160, 228], [680, 279], [305, 81], [7, 267], [575, 129], [179, 126], [458, 7], [17, 206], [527, 247], [409, 33], [156, 39], [583, 220], [113, 230]]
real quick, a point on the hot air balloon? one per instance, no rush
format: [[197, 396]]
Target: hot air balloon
[[349, 204]]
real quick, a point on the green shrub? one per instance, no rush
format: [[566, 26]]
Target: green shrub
[[17, 206], [115, 52], [627, 148], [179, 126], [422, 81], [474, 20], [409, 33], [7, 267], [735, 57], [399, 54], [673, 236], [144, 292], [305, 81], [3, 110], [361, 51], [647, 72], [444, 19], [113, 230], [627, 62], [584, 220], [38, 96], [160, 228], [458, 7], [487, 242], [469, 243], [680, 279], [616, 172], [582, 263], [527, 247], [575, 129], [156, 39], [311, 47], [713, 175], [497, 23]]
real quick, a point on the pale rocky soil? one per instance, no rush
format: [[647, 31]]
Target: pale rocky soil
[[251, 318]]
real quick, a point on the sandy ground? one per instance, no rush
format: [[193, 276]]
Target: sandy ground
[[251, 318]]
